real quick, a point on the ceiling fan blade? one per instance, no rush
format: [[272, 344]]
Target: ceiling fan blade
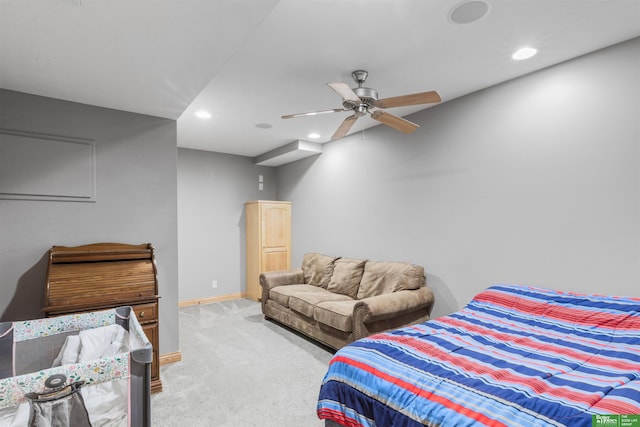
[[314, 113], [344, 127], [413, 99], [345, 92], [394, 121]]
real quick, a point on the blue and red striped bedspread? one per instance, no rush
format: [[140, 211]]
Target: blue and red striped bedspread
[[514, 356]]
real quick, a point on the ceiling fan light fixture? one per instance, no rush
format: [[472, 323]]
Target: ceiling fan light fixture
[[524, 53]]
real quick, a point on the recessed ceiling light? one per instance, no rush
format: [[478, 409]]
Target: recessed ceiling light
[[263, 126], [524, 53], [468, 12], [314, 135], [203, 114]]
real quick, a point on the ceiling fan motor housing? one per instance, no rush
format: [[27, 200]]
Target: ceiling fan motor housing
[[367, 97]]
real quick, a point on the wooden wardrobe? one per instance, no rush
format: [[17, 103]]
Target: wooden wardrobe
[[106, 275], [268, 241]]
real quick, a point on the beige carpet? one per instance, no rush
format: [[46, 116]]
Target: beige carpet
[[239, 370]]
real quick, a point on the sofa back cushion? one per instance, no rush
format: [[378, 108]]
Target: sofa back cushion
[[347, 273], [317, 269], [387, 277]]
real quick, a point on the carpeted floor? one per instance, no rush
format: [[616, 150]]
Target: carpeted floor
[[239, 370]]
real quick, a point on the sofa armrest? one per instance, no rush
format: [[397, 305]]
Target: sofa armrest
[[271, 279], [395, 304]]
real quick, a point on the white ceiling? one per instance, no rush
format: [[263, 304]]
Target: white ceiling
[[248, 62]]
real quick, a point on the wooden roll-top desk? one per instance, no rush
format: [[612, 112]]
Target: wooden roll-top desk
[[106, 275]]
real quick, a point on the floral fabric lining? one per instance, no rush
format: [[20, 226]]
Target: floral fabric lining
[[13, 389]]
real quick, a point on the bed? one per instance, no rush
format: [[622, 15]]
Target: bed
[[514, 356], [90, 369]]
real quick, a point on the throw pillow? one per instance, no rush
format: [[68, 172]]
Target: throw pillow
[[346, 276], [386, 277], [317, 269]]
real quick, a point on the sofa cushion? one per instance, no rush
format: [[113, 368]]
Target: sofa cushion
[[337, 314], [317, 269], [346, 276], [304, 302], [280, 294], [386, 277]]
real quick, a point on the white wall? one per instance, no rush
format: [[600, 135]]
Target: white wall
[[212, 190], [535, 181], [135, 202]]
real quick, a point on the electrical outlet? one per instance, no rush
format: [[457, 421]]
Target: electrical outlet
[[214, 284]]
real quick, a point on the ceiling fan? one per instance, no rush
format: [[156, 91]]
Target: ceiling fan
[[362, 100]]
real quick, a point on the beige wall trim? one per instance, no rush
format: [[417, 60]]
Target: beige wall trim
[[209, 300], [174, 357]]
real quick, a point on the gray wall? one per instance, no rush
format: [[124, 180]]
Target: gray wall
[[212, 190], [136, 202], [535, 181]]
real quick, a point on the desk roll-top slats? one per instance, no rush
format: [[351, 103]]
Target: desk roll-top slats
[[96, 283], [106, 275]]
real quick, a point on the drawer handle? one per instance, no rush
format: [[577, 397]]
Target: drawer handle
[[142, 314]]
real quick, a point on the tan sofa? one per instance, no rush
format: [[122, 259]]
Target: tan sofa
[[339, 300]]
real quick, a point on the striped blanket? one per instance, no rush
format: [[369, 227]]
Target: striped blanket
[[514, 356]]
